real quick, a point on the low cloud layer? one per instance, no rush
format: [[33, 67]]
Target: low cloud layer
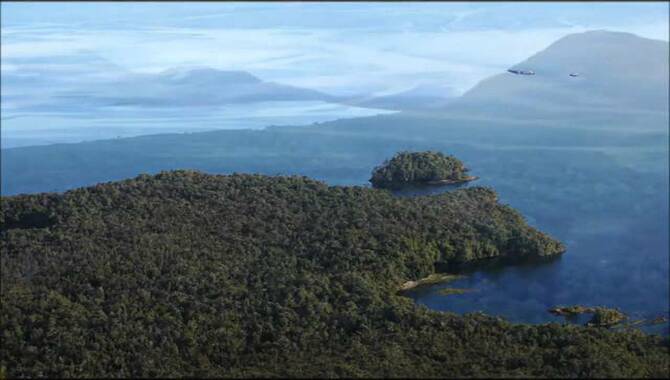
[[341, 49]]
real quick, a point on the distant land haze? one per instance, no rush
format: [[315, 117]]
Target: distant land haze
[[101, 83], [41, 108], [617, 73], [550, 108], [621, 82], [183, 86], [203, 86], [426, 96]]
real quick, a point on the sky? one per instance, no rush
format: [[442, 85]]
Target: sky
[[339, 48]]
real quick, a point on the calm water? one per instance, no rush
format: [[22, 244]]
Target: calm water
[[29, 129], [613, 220], [605, 197]]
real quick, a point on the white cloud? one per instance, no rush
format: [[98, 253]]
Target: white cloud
[[333, 60]]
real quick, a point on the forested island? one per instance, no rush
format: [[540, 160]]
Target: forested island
[[188, 274], [419, 168]]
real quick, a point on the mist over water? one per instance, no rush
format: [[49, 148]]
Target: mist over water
[[31, 129]]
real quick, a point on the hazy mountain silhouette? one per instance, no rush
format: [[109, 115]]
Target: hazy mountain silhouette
[[612, 73], [421, 97], [63, 85], [202, 86]]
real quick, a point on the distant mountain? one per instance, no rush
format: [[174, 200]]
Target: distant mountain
[[66, 87], [201, 86], [424, 96], [205, 76], [585, 75]]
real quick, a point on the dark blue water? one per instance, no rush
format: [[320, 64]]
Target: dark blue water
[[611, 213]]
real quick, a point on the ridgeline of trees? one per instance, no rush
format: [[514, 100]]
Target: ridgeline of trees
[[186, 274], [407, 168]]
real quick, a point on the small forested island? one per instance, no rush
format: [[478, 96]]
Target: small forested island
[[187, 274], [419, 168]]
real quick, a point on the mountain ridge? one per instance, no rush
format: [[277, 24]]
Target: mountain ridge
[[613, 71]]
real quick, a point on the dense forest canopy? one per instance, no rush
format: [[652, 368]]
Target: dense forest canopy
[[188, 274], [419, 167]]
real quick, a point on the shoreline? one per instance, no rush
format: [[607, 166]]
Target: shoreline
[[435, 278], [450, 181]]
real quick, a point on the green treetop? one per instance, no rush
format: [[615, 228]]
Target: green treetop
[[419, 167]]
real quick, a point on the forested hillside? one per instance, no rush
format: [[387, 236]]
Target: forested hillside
[[419, 168], [187, 274]]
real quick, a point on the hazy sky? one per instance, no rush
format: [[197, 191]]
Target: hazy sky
[[340, 48]]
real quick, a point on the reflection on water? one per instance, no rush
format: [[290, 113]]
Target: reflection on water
[[616, 236]]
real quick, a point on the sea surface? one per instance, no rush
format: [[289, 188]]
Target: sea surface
[[613, 221], [25, 128]]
